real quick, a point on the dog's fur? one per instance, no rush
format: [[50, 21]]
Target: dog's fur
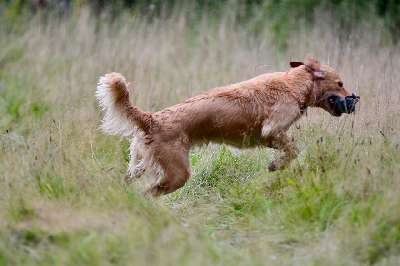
[[254, 112]]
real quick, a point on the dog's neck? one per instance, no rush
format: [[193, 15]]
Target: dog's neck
[[305, 92]]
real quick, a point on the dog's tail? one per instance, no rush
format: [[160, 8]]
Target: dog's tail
[[120, 116]]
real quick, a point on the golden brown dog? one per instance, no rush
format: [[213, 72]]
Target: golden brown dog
[[254, 112]]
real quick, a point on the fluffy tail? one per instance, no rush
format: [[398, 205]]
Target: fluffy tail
[[120, 116]]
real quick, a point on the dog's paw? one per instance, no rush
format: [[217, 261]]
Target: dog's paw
[[128, 179], [278, 164], [272, 167]]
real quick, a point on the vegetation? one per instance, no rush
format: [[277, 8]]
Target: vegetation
[[281, 17], [62, 199]]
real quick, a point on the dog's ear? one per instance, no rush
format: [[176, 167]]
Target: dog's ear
[[296, 64], [314, 67]]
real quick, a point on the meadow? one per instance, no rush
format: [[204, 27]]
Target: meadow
[[62, 196]]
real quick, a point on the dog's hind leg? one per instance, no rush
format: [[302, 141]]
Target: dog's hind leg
[[136, 167], [176, 171]]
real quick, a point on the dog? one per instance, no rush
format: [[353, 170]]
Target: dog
[[255, 112]]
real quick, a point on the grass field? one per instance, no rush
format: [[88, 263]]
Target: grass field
[[62, 199]]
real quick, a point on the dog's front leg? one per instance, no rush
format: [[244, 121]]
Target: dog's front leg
[[283, 143], [274, 134]]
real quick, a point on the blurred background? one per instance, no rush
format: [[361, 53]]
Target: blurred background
[[282, 16]]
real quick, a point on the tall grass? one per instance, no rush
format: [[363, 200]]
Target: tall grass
[[62, 200]]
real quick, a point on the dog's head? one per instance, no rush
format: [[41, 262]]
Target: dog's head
[[328, 91]]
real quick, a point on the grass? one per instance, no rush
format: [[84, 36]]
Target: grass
[[62, 199]]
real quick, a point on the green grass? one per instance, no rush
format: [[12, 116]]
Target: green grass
[[230, 206], [62, 199]]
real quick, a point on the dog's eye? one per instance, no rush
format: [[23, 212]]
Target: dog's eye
[[340, 84]]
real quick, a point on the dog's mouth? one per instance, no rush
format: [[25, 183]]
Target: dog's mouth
[[339, 105]]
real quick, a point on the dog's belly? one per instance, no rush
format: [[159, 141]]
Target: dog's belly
[[238, 133], [237, 141]]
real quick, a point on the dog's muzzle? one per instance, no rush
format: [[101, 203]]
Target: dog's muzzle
[[341, 105]]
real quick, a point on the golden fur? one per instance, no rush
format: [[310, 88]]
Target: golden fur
[[250, 113]]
